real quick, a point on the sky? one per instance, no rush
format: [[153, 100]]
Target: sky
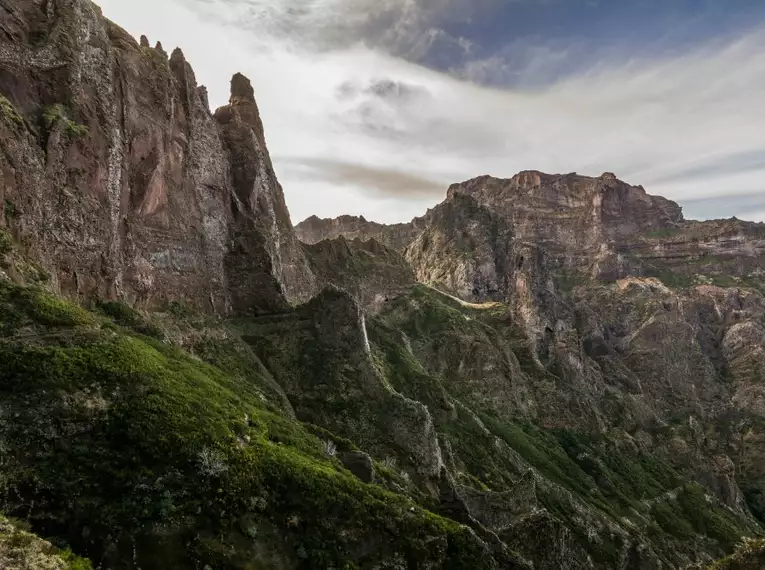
[[374, 107]]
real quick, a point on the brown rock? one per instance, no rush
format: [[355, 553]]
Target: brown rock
[[147, 200], [360, 464]]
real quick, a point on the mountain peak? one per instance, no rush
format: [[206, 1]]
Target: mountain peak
[[241, 89]]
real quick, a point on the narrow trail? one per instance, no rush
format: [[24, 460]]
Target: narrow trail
[[479, 306]]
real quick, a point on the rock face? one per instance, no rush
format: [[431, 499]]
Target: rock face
[[609, 313], [118, 179], [373, 273], [261, 218], [588, 228], [396, 236], [547, 371]]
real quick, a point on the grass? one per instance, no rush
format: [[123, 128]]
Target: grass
[[126, 435], [115, 430]]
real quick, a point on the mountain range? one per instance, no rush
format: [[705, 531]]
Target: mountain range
[[547, 371]]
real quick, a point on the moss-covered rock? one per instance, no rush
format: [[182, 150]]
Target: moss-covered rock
[[137, 454], [749, 556], [22, 550]]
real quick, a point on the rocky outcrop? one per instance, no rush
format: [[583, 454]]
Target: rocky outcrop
[[360, 464], [587, 228], [22, 550], [373, 273], [258, 199], [115, 176], [321, 355], [603, 229], [749, 556], [396, 236]]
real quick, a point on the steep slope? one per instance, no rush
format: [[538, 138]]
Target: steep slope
[[373, 273], [568, 387], [141, 456], [604, 315], [119, 181], [396, 236]]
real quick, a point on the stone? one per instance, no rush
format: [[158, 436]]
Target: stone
[[360, 464]]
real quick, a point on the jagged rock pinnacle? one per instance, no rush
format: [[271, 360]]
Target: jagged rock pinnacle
[[203, 96], [161, 50], [145, 42], [241, 89], [177, 55]]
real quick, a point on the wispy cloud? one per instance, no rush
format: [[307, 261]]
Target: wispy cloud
[[386, 183], [356, 128]]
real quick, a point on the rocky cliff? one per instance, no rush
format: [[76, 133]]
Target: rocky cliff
[[116, 177], [550, 372], [628, 317], [396, 236]]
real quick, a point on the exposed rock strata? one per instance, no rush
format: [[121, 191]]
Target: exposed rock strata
[[121, 182]]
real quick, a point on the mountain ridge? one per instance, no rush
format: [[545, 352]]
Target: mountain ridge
[[568, 379]]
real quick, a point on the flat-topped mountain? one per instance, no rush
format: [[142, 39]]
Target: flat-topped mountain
[[590, 228]]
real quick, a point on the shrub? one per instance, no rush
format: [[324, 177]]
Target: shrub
[[6, 243], [54, 114], [9, 112]]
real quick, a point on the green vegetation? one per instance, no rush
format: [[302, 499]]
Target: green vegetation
[[195, 455], [10, 210], [6, 243], [617, 481], [750, 555], [130, 437], [124, 315], [22, 550], [9, 113], [708, 520], [54, 114]]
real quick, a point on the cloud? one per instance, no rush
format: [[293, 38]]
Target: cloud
[[405, 28], [727, 206], [354, 128], [371, 180]]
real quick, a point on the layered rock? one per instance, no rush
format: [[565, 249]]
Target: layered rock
[[588, 228], [373, 273], [117, 178], [396, 236], [550, 385]]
